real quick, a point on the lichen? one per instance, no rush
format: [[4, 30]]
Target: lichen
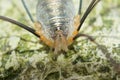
[[23, 57]]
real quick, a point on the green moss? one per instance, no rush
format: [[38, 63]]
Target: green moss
[[28, 59]]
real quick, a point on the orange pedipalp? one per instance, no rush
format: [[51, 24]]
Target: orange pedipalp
[[75, 32], [42, 37], [70, 39]]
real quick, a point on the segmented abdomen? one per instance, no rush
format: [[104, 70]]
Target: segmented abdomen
[[55, 13]]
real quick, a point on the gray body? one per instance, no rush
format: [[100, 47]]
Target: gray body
[[54, 15]]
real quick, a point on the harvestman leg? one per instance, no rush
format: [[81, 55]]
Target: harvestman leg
[[37, 24], [27, 10], [19, 25], [89, 9], [116, 66], [101, 47], [80, 7]]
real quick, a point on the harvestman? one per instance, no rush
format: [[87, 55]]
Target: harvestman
[[57, 26]]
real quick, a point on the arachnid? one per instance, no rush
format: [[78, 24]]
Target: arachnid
[[56, 25]]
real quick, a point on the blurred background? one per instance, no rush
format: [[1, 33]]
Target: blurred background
[[20, 49]]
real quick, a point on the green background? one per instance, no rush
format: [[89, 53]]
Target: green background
[[23, 57]]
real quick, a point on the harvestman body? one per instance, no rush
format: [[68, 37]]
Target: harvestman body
[[57, 25]]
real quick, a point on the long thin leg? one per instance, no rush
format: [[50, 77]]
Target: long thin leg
[[83, 35], [20, 25], [89, 9], [113, 62], [27, 10], [80, 7], [101, 47]]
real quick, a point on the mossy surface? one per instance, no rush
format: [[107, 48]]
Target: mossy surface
[[23, 57]]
